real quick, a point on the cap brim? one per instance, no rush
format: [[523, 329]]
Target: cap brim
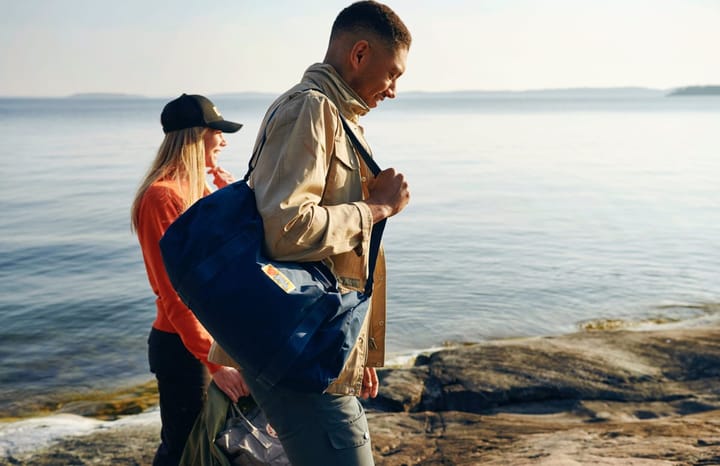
[[225, 126]]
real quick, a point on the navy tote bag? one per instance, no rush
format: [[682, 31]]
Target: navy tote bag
[[285, 323]]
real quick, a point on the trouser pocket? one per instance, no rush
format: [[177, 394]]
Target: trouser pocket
[[347, 426]]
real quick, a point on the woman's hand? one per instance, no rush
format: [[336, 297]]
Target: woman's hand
[[231, 382], [370, 384], [221, 177]]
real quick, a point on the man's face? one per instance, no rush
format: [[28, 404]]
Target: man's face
[[379, 74]]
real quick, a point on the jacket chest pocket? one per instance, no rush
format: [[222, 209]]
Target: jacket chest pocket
[[343, 178]]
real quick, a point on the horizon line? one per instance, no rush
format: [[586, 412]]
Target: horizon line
[[418, 91]]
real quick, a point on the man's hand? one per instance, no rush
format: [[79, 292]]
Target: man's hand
[[389, 194], [231, 382], [370, 384]]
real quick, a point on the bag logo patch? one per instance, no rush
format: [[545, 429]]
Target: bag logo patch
[[270, 431], [278, 277]]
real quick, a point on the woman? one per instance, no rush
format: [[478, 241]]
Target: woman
[[178, 344]]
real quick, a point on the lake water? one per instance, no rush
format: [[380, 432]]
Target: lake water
[[529, 216]]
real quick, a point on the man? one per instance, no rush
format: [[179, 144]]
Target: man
[[319, 201]]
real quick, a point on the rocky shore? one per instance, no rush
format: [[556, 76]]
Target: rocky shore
[[631, 398]]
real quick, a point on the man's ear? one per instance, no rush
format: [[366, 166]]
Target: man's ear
[[359, 54]]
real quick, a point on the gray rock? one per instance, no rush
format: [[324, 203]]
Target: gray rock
[[614, 366], [606, 398]]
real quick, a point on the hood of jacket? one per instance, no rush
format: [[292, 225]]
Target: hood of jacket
[[324, 77]]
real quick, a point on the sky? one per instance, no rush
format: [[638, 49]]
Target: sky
[[165, 47]]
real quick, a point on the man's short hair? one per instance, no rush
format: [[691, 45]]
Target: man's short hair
[[376, 18]]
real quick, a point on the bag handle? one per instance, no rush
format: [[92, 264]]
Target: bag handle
[[379, 227], [249, 426]]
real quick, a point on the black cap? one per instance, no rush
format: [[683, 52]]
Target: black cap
[[189, 111]]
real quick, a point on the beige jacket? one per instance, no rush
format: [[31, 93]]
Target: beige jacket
[[309, 185]]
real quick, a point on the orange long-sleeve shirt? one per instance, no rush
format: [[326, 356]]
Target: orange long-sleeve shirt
[[160, 206]]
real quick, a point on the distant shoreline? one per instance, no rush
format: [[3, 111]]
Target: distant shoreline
[[104, 96], [622, 91], [695, 91]]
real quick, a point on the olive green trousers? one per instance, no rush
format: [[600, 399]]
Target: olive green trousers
[[317, 429]]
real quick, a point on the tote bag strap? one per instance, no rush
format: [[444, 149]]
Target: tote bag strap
[[379, 227], [256, 153]]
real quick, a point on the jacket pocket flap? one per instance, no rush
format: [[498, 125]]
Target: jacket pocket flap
[[345, 154]]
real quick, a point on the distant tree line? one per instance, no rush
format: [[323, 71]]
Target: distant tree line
[[696, 90]]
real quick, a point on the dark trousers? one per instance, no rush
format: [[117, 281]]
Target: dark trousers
[[182, 383], [316, 429]]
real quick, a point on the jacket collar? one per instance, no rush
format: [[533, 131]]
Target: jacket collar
[[327, 79]]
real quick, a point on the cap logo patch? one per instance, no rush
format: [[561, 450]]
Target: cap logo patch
[[216, 111]]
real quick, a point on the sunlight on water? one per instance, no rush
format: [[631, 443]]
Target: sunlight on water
[[527, 218]]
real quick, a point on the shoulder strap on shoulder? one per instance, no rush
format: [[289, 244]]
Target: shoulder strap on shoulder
[[378, 228]]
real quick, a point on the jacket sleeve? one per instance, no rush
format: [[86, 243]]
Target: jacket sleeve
[[160, 207], [290, 179]]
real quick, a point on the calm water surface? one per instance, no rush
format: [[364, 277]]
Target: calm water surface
[[528, 217]]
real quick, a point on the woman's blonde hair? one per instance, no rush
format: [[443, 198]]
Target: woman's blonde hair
[[181, 157]]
